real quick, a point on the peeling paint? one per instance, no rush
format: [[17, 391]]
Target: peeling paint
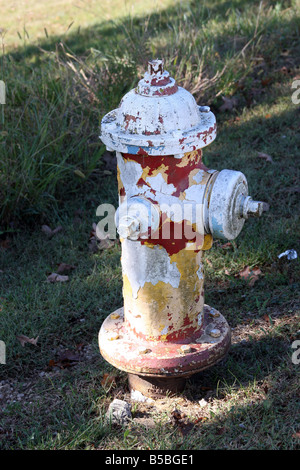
[[142, 264], [164, 328], [154, 109]]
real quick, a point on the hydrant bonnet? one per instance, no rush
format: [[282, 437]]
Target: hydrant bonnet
[[158, 117]]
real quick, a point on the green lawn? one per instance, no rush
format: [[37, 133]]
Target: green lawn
[[31, 20], [53, 171]]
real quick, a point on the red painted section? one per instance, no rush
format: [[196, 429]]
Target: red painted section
[[171, 236], [176, 174], [205, 134], [166, 91], [160, 82], [141, 151], [156, 132], [186, 332], [129, 118], [166, 234]]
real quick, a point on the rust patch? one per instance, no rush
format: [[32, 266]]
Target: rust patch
[[128, 118], [166, 91]]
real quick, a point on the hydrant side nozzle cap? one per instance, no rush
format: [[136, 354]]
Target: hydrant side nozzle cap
[[224, 217], [230, 205], [135, 216]]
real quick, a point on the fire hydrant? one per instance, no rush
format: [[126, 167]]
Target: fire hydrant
[[170, 208]]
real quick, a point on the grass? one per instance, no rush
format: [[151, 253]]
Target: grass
[[52, 172]]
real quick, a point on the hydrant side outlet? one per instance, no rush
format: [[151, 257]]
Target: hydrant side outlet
[[171, 207]]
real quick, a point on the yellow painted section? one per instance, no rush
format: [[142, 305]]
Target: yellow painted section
[[114, 316], [194, 156], [208, 241], [161, 306], [127, 290], [160, 309], [120, 183], [160, 170]]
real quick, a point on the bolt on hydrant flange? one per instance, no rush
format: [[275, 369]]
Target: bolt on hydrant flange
[[171, 207]]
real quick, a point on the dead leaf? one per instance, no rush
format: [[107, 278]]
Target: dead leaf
[[284, 70], [265, 156], [64, 360], [200, 419], [226, 246], [54, 277], [5, 244], [64, 268], [79, 173], [24, 339], [250, 275], [99, 240], [229, 103], [93, 245], [220, 431], [108, 379], [266, 81], [68, 356], [181, 421], [49, 232]]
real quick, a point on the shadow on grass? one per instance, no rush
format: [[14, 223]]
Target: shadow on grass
[[121, 48], [106, 34]]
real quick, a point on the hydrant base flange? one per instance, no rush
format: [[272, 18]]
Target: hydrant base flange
[[131, 354]]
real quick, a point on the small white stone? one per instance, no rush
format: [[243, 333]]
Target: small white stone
[[138, 396], [203, 403], [119, 412]]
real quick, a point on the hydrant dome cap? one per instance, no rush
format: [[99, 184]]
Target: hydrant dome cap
[[158, 118]]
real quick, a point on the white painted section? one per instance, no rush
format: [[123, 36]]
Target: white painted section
[[200, 272], [165, 330], [142, 264], [195, 193], [158, 183], [198, 177], [170, 123], [224, 215], [130, 173]]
